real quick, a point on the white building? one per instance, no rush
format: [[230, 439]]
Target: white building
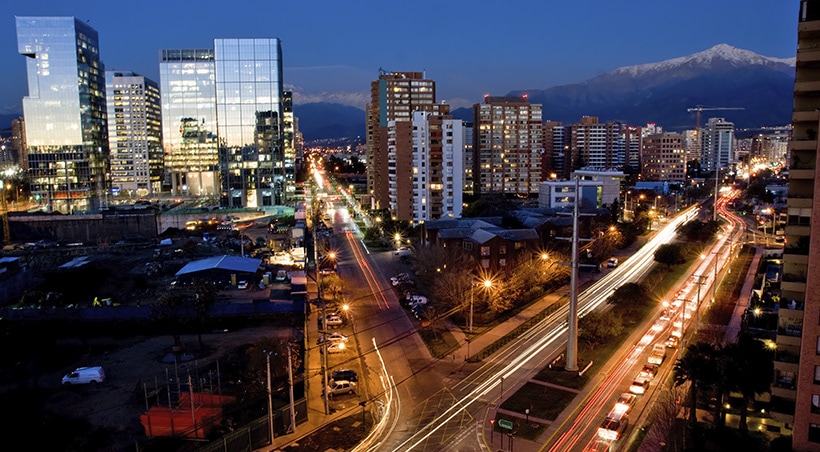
[[134, 134], [599, 188]]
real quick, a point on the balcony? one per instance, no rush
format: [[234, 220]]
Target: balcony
[[782, 356], [806, 86], [790, 331], [804, 145]]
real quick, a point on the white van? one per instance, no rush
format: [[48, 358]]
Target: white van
[[84, 375]]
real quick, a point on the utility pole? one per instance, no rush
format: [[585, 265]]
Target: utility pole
[[292, 405], [572, 321]]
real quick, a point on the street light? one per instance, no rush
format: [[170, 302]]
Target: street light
[[626, 203], [487, 284]]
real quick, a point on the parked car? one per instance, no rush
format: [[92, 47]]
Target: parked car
[[400, 278], [612, 263], [402, 251], [334, 347], [281, 275], [333, 320], [344, 374], [332, 337], [84, 375], [340, 387], [242, 285]]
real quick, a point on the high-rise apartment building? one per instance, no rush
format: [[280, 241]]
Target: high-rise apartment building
[[718, 144], [393, 97], [507, 146], [553, 165], [64, 111], [425, 159], [663, 158], [250, 121], [596, 145], [467, 165], [188, 87], [18, 142], [134, 134], [796, 386]]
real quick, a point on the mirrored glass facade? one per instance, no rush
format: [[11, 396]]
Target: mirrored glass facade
[[250, 121], [65, 112], [189, 128]]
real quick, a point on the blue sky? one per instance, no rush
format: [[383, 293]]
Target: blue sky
[[332, 50]]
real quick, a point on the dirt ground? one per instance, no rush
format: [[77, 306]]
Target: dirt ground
[[106, 416], [112, 409]]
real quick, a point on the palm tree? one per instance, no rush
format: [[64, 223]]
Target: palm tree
[[751, 364], [696, 367]]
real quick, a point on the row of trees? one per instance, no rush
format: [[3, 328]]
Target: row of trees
[[744, 367]]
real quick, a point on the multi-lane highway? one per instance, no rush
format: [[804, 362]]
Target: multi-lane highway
[[431, 410]]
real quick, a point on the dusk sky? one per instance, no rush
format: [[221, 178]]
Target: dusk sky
[[332, 50]]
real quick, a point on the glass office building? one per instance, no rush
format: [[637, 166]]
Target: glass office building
[[65, 112], [250, 121], [187, 83]]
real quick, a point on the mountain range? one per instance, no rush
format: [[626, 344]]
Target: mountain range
[[660, 93]]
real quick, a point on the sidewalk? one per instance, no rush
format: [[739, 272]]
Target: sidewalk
[[734, 326]]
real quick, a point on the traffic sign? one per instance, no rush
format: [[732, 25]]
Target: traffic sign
[[503, 423]]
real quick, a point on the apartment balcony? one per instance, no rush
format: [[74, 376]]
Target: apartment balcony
[[807, 55], [812, 116], [806, 85], [799, 203], [784, 392], [792, 286], [785, 361], [804, 145], [798, 173], [785, 340]]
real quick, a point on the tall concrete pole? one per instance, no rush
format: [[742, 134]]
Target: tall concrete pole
[[572, 321]]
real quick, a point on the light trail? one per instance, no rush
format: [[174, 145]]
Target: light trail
[[364, 266], [632, 270]]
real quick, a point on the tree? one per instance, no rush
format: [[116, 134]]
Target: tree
[[696, 367], [599, 327], [670, 254], [749, 372], [169, 307], [205, 294]]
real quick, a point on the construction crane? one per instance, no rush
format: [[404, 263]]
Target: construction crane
[[699, 108]]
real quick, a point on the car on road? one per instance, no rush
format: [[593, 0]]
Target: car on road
[[332, 337], [672, 341], [648, 371], [625, 402], [344, 374], [612, 263], [639, 386], [598, 445], [613, 426], [340, 387]]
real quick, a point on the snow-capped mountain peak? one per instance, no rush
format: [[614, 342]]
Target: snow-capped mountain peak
[[720, 52]]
